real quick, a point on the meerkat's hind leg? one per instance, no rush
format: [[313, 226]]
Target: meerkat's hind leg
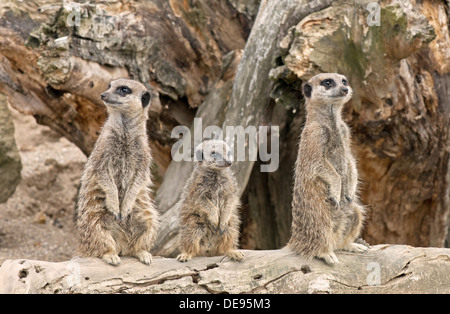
[[330, 258], [184, 257]]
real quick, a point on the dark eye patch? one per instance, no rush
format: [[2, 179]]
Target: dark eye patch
[[216, 155], [123, 90], [344, 82], [328, 83]]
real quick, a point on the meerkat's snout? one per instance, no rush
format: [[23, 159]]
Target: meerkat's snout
[[344, 91]]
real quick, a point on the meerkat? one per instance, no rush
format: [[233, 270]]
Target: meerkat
[[208, 218], [115, 214], [326, 212]]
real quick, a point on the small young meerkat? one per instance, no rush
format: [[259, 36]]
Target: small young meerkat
[[326, 213], [209, 220], [115, 214]]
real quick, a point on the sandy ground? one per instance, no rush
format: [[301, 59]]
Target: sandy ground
[[36, 222]]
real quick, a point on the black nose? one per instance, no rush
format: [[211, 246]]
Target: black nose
[[228, 163], [344, 90], [103, 96]]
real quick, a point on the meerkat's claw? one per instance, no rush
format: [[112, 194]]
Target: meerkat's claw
[[214, 227], [356, 247], [362, 242], [335, 202], [183, 257], [112, 259], [223, 228], [145, 257], [330, 258], [349, 198], [235, 255]]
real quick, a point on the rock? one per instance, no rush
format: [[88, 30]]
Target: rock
[[384, 269], [10, 164]]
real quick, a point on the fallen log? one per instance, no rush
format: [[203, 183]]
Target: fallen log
[[384, 269]]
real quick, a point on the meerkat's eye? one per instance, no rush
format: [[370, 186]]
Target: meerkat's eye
[[328, 83], [123, 90], [217, 156], [344, 82]]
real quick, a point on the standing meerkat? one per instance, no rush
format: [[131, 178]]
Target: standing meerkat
[[209, 221], [326, 213], [115, 214]]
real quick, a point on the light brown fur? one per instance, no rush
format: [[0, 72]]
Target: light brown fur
[[326, 213], [115, 214], [209, 221]]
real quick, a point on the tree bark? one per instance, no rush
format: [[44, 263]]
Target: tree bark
[[384, 269]]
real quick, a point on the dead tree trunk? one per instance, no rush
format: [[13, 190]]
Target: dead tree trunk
[[384, 269]]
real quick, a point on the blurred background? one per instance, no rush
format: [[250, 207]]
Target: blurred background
[[229, 62]]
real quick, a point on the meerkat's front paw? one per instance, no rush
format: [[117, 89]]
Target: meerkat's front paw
[[126, 208], [214, 224], [335, 202], [184, 257], [356, 247], [349, 198], [114, 208], [145, 257], [330, 258], [213, 228], [222, 228], [235, 255], [112, 259]]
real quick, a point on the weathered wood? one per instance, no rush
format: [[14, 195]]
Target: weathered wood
[[384, 269]]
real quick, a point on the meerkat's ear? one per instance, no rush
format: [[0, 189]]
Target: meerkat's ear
[[145, 99], [307, 89]]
